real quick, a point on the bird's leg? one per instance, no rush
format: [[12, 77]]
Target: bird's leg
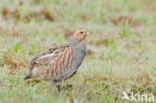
[[54, 86]]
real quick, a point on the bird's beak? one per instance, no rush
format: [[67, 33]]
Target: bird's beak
[[87, 33]]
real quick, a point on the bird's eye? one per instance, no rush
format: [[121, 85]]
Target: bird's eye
[[81, 32]]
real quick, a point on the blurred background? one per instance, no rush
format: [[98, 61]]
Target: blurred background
[[121, 48]]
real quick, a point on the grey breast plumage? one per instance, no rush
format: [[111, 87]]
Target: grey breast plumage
[[59, 62]]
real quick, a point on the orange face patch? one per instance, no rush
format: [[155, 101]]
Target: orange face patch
[[81, 34]]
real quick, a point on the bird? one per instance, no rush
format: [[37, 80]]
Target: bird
[[59, 62]]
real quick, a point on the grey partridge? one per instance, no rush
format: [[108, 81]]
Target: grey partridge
[[59, 62]]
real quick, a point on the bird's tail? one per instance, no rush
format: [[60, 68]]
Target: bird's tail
[[30, 73], [28, 76]]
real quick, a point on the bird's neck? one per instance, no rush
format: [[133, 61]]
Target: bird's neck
[[73, 41]]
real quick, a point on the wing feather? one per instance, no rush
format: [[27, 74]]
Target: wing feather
[[47, 56]]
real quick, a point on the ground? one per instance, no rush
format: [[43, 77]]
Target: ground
[[121, 48]]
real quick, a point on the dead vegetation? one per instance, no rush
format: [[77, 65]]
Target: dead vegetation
[[13, 61], [68, 33], [43, 14], [122, 19]]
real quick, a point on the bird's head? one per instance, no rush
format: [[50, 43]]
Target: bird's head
[[81, 34]]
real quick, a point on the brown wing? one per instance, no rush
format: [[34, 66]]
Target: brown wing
[[45, 57]]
